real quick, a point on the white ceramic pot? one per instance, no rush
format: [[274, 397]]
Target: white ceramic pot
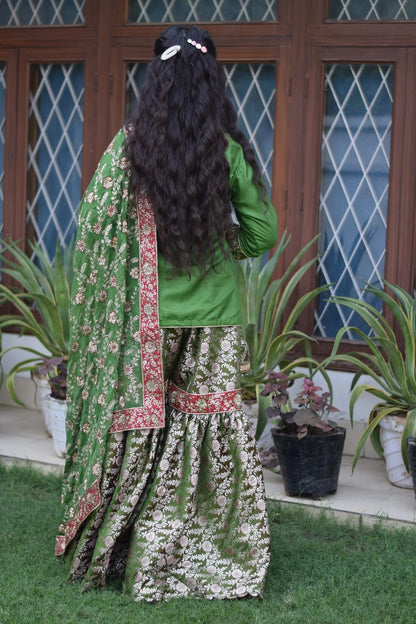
[[56, 410], [391, 429], [42, 391], [265, 444]]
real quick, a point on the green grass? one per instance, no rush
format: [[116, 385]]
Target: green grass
[[322, 571]]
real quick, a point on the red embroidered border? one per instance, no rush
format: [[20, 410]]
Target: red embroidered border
[[152, 414], [89, 501], [212, 403]]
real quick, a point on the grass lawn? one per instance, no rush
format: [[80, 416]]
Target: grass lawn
[[322, 571]]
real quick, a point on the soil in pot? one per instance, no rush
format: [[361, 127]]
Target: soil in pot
[[310, 466]]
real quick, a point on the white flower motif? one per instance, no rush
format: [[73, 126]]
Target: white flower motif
[[164, 465], [245, 528], [243, 456], [207, 546], [261, 505], [112, 317], [101, 399], [135, 273]]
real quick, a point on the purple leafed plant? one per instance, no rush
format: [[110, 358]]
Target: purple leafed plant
[[313, 405]]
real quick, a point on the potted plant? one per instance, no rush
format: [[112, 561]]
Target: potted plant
[[391, 364], [269, 328], [55, 408], [41, 297], [309, 447]]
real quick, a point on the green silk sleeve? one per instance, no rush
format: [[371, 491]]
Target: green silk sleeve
[[257, 232]]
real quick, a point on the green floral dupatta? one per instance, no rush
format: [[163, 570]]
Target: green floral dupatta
[[115, 379]]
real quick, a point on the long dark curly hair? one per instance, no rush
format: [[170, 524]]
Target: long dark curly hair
[[176, 147]]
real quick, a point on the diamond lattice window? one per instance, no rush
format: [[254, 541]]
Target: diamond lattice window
[[54, 152], [202, 11], [343, 10], [2, 130], [252, 91], [41, 12], [354, 186]]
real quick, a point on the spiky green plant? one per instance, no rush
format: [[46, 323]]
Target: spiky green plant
[[269, 324], [391, 366], [41, 297]]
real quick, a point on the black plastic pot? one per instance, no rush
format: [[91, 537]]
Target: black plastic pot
[[411, 456], [310, 466]]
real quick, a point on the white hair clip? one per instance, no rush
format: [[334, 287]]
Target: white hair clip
[[169, 52], [198, 46]]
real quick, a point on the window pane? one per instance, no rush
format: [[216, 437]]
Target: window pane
[[251, 88], [354, 186], [54, 152], [41, 12], [2, 130], [202, 11], [371, 9]]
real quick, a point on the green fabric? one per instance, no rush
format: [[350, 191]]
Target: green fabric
[[105, 314], [214, 300], [105, 360], [182, 509]]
